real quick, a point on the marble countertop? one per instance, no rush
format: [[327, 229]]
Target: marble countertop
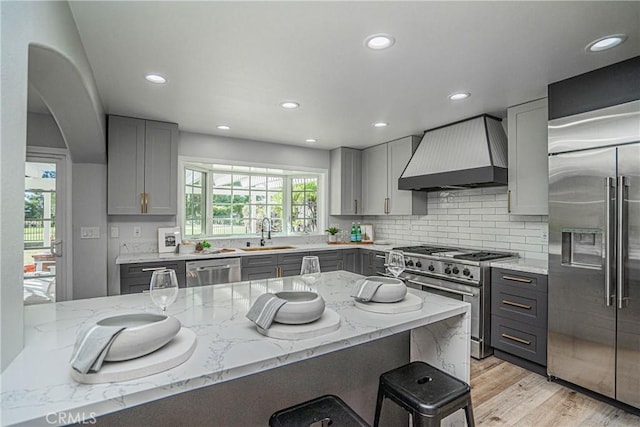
[[38, 382], [523, 264], [136, 258]]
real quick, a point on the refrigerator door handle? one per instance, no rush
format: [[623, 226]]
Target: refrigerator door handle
[[620, 255], [608, 183]]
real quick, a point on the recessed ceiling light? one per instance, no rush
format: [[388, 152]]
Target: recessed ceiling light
[[289, 105], [459, 95], [380, 124], [379, 41], [155, 78], [223, 127], [310, 141], [604, 43]]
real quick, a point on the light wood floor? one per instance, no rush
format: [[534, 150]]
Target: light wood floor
[[507, 395]]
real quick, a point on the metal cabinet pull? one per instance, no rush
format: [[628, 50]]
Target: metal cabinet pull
[[154, 268], [356, 204], [386, 205], [517, 304], [516, 339], [141, 202], [509, 201], [516, 279], [608, 182], [146, 202], [380, 256], [217, 267]]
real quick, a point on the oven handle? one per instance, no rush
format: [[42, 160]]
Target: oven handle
[[440, 288]]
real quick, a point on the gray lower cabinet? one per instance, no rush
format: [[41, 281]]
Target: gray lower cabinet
[[371, 262], [351, 260], [256, 267], [135, 278], [330, 260], [519, 314]]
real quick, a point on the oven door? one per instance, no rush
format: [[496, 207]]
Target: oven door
[[458, 291]]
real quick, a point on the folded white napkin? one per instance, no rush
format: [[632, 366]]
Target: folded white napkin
[[91, 347], [264, 310], [364, 289]]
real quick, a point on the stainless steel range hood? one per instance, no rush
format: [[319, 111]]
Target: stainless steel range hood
[[466, 154]]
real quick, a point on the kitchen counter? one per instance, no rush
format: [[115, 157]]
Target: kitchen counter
[[136, 258], [37, 383], [524, 265]]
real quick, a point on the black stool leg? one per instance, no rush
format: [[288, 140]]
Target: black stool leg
[[422, 421], [379, 401], [468, 412]]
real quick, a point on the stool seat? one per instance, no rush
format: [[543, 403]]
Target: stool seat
[[328, 410], [426, 392]]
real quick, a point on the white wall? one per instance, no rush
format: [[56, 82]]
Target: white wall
[[42, 131], [475, 218], [49, 25]]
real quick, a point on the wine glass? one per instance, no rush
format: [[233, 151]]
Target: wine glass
[[395, 263], [310, 270], [163, 288]]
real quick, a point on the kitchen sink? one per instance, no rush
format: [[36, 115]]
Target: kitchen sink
[[267, 248]]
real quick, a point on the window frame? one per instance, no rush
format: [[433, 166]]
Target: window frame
[[289, 174]]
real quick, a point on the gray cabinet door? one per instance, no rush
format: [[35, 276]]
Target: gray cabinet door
[[374, 180], [161, 167], [345, 182], [125, 169], [528, 158], [351, 260], [402, 202]]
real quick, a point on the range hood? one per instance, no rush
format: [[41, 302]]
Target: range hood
[[466, 154]]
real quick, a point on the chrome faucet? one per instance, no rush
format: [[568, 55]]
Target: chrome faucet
[[262, 242]]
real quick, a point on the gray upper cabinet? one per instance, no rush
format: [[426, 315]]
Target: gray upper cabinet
[[528, 161], [382, 165], [142, 167], [345, 182]]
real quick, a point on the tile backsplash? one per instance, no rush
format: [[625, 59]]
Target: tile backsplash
[[475, 218]]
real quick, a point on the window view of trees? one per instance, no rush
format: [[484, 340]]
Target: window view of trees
[[227, 202]]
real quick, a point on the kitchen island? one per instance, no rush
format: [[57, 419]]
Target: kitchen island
[[236, 376]]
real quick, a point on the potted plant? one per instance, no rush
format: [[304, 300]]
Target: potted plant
[[333, 231]]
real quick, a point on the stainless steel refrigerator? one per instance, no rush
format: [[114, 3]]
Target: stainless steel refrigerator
[[594, 251]]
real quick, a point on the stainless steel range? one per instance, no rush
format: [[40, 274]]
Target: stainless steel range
[[462, 274]]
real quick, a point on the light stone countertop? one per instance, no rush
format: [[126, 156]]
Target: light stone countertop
[[524, 265], [136, 258], [38, 381]]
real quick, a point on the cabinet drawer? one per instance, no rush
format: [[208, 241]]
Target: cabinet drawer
[[331, 265], [134, 288], [378, 260], [259, 272], [526, 341], [536, 282], [259, 260], [147, 268], [293, 258], [522, 305], [328, 255]]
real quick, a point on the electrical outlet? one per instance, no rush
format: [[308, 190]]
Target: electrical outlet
[[115, 232], [137, 232]]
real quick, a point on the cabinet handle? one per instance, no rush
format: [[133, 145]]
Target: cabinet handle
[[516, 339], [356, 204], [516, 279], [509, 201], [386, 205], [380, 256], [146, 202], [154, 268], [141, 202], [517, 304]]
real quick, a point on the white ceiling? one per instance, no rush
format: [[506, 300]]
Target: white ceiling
[[234, 62]]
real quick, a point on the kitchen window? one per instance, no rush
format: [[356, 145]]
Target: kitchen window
[[226, 200]]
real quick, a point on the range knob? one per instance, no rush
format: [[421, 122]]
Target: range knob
[[409, 263], [456, 270], [466, 272], [447, 270], [418, 264], [431, 267]]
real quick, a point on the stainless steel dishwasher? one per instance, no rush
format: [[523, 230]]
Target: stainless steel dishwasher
[[213, 271]]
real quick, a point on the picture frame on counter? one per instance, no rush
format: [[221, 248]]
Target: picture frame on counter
[[168, 239], [367, 232]]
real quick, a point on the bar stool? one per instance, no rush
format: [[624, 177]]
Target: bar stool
[[426, 392], [323, 411]]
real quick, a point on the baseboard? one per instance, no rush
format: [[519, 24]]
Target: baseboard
[[523, 363]]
